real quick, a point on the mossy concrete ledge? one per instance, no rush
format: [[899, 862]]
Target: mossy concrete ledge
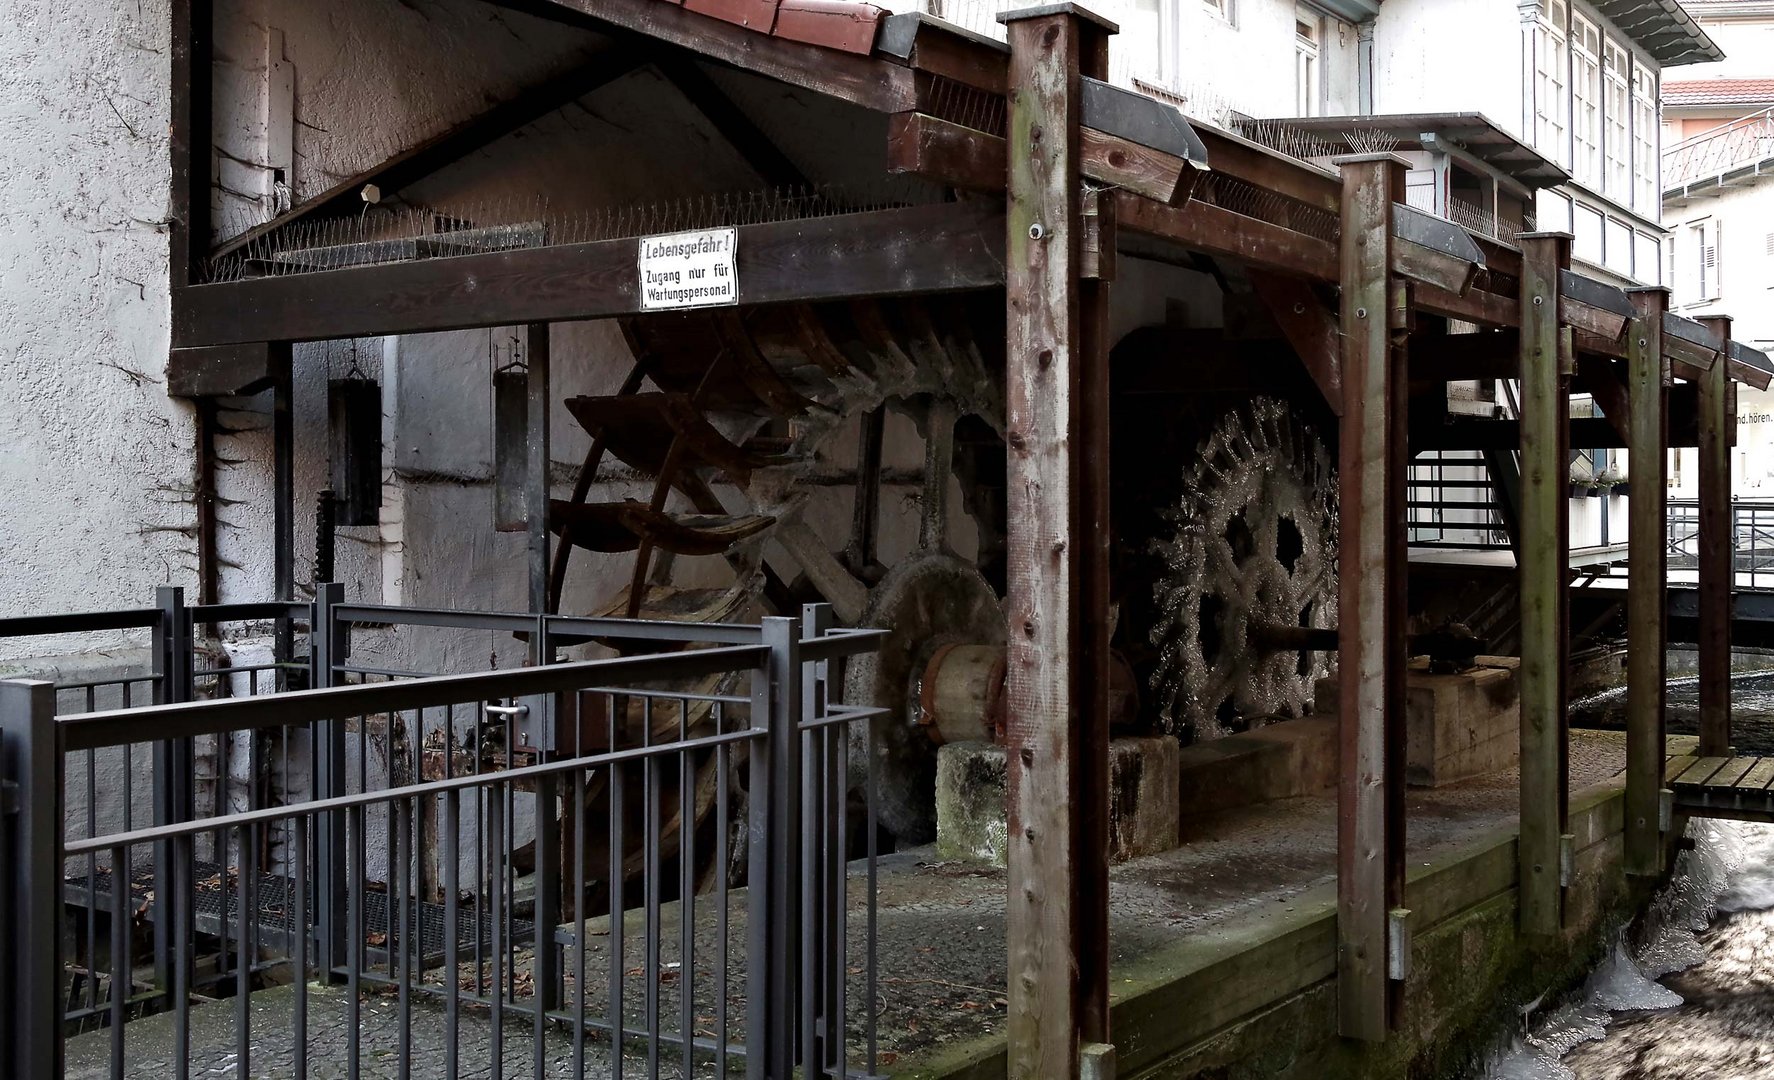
[[1256, 997]]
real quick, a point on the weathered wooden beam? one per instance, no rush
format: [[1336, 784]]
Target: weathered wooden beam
[[425, 158], [1647, 580], [219, 371], [538, 402], [939, 248], [1593, 306], [1606, 380], [919, 144], [1687, 340], [1718, 549], [1309, 326], [1585, 433], [1545, 564], [1057, 921], [1214, 230], [874, 82], [1750, 366], [1487, 354], [943, 49], [1372, 470], [192, 90], [1477, 305]]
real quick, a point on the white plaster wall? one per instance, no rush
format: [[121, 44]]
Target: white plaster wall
[[1450, 56], [1748, 45], [96, 459]]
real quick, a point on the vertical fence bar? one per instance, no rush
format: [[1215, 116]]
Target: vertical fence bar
[[328, 646], [1718, 546], [173, 773], [546, 973], [775, 913], [298, 940], [31, 798], [1647, 581]]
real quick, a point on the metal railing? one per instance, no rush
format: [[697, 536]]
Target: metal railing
[[1451, 503], [1752, 531], [642, 862], [1717, 151]]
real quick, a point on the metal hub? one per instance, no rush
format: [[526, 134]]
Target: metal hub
[[1254, 545]]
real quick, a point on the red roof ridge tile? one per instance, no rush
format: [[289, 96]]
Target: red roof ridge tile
[[845, 25]]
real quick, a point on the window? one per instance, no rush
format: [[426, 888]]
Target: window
[[1586, 104], [1618, 255], [1647, 196], [1694, 262], [1551, 83], [1704, 251], [1222, 8], [1307, 84], [1647, 262], [1616, 149], [1586, 226]]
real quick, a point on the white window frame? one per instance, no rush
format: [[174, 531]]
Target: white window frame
[[1647, 135], [1586, 103], [1225, 9], [1617, 122], [1552, 83], [1308, 62]]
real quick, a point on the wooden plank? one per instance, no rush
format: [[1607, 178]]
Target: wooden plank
[[424, 158], [1544, 560], [1718, 554], [1702, 770], [1605, 381], [874, 82], [1058, 992], [1271, 171], [1371, 630], [1647, 643], [922, 249], [1449, 273], [1732, 772], [1758, 776]]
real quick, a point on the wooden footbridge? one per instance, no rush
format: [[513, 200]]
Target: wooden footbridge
[[1723, 787]]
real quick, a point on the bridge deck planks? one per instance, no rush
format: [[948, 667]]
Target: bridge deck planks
[[1733, 787]]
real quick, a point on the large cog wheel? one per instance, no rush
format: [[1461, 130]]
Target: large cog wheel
[[1255, 545]]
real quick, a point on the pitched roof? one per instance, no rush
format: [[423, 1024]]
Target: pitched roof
[[846, 25], [1718, 92]]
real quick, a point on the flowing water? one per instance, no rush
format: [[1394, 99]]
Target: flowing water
[[1691, 996]]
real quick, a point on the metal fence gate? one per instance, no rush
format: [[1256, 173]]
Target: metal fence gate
[[652, 864]]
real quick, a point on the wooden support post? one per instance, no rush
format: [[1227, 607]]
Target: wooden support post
[[1718, 548], [1056, 915], [283, 491], [1545, 564], [188, 222], [536, 445], [1647, 581], [1371, 567]]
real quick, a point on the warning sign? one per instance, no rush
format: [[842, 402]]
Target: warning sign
[[688, 270]]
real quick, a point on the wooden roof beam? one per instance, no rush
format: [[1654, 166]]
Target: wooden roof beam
[[922, 249]]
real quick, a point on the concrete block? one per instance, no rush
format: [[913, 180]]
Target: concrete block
[[1457, 726], [972, 784], [1276, 761]]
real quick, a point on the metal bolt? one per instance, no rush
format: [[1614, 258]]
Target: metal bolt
[[1037, 231], [1538, 301], [1361, 313]]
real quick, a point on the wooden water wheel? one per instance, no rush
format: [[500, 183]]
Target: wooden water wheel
[[730, 417]]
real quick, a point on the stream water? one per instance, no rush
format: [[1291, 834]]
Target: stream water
[[1691, 997]]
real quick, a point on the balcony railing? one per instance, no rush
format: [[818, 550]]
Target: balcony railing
[[1716, 152]]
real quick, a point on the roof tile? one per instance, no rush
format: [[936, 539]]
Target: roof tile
[[835, 24], [1718, 91]]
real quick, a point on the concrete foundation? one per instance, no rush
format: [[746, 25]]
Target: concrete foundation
[[1278, 761], [1457, 726], [972, 785]]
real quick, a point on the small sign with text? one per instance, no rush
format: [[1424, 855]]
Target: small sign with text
[[689, 270]]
